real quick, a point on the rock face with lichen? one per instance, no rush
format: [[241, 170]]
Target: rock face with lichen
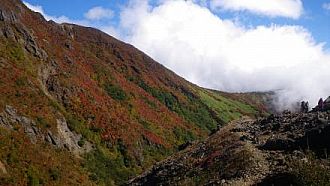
[[285, 149], [63, 137], [9, 118]]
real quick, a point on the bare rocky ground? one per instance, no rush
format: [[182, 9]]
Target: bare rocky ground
[[285, 149]]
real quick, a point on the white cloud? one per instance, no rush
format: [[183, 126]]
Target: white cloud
[[220, 54], [97, 13], [326, 6], [273, 8]]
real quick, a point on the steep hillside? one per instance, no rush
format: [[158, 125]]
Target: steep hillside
[[92, 108], [286, 149]]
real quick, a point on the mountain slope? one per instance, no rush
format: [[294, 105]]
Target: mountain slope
[[84, 95]]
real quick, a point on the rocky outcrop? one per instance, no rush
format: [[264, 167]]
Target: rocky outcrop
[[7, 32], [46, 74], [270, 151], [12, 28], [7, 16], [293, 131], [28, 40], [70, 140], [9, 118], [62, 138]]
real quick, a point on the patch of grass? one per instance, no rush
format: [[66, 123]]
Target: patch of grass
[[124, 152], [154, 153], [105, 169], [54, 174], [115, 92], [193, 111], [80, 127], [12, 50], [225, 108], [150, 103], [32, 175], [43, 122], [183, 135], [145, 124], [22, 81], [17, 53]]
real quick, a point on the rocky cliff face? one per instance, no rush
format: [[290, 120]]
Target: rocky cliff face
[[286, 149]]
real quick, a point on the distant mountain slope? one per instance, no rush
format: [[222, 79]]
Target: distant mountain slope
[[72, 93]]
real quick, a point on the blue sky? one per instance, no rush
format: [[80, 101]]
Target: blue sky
[[315, 17], [229, 45]]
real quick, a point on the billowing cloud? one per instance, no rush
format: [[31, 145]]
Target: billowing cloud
[[97, 13], [218, 53], [273, 8]]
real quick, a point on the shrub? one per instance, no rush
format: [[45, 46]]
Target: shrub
[[115, 92], [22, 81], [312, 172], [81, 142], [17, 53], [106, 170], [43, 122], [54, 174], [32, 175]]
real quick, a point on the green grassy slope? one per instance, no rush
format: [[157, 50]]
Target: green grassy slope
[[227, 109]]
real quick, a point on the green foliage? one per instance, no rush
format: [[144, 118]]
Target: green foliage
[[43, 122], [145, 124], [22, 81], [12, 51], [79, 126], [12, 157], [56, 105], [150, 103], [194, 111], [32, 174], [54, 174], [81, 142], [154, 153], [183, 135], [115, 92], [226, 109], [106, 169], [74, 124], [124, 152], [17, 53]]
